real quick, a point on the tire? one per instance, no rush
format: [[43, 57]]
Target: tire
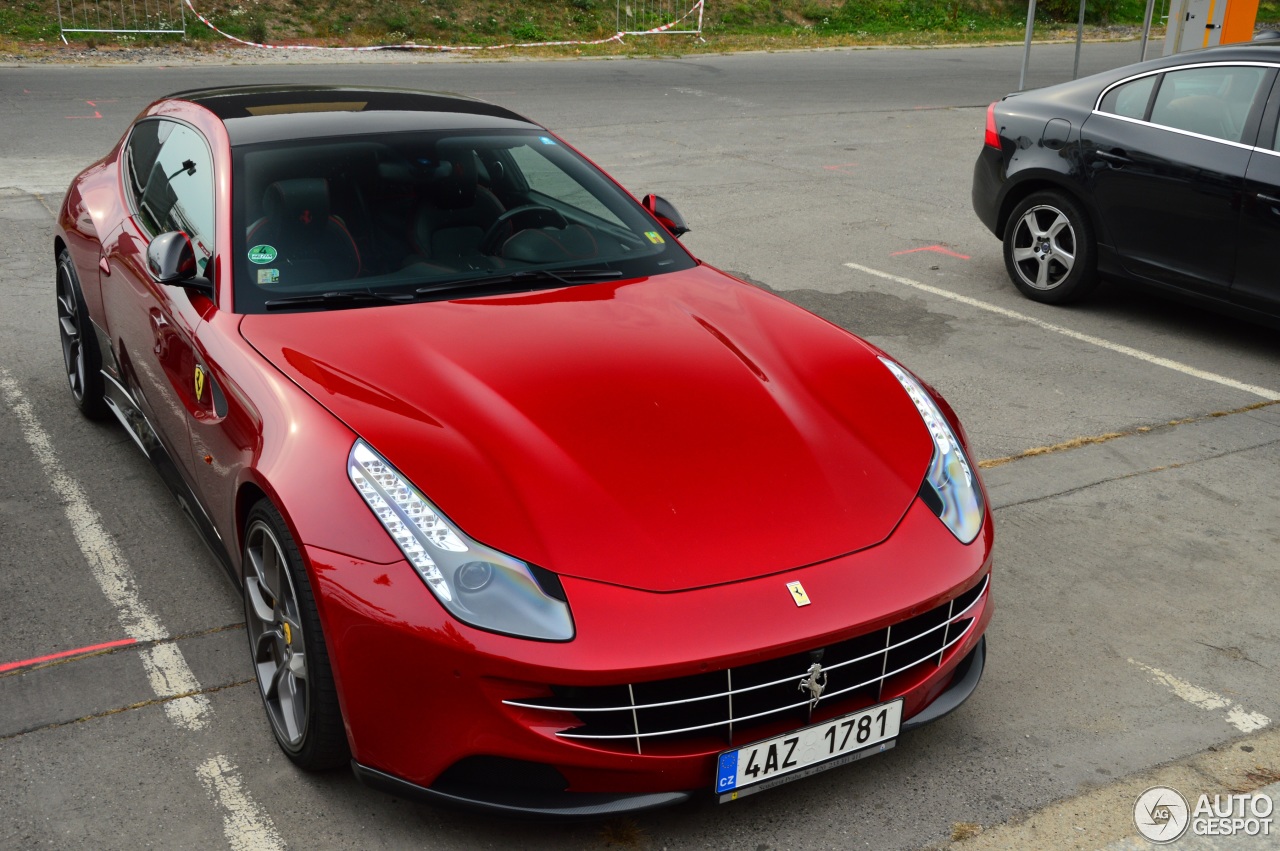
[[1049, 248], [297, 687], [81, 359]]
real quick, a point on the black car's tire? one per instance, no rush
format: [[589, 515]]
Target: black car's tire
[[1049, 248], [80, 355], [297, 687]]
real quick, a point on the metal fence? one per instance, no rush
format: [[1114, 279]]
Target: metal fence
[[120, 17], [643, 17]]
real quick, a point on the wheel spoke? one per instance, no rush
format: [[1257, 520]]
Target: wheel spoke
[[1032, 225], [271, 570], [263, 609], [298, 665], [1022, 254], [264, 644], [1065, 258], [268, 678], [1042, 275], [292, 707], [1059, 224]]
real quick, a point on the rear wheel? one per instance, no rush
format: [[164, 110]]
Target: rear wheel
[[80, 355], [290, 661], [1049, 248]]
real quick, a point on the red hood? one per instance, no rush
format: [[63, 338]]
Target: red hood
[[667, 433]]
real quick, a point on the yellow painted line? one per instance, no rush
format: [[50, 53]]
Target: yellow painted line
[[1089, 440]]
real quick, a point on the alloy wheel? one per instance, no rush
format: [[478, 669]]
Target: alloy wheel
[[275, 635], [1044, 247], [69, 324]]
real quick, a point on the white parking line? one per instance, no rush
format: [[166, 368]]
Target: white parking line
[[245, 824], [1237, 716], [167, 669], [1264, 392]]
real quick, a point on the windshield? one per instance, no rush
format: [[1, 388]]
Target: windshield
[[411, 215]]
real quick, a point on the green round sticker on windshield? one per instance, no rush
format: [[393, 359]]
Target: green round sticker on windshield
[[261, 254]]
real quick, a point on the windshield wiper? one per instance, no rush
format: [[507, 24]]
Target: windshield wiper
[[568, 277], [340, 298]]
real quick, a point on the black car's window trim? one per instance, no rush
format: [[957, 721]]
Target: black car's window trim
[[1251, 126], [1268, 135]]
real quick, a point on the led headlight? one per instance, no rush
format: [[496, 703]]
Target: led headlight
[[477, 584], [950, 486]]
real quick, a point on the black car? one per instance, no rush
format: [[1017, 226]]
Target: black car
[[1164, 173]]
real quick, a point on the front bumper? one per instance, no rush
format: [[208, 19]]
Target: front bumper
[[588, 805], [423, 695]]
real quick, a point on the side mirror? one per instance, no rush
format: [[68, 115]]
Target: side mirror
[[666, 214], [172, 260]]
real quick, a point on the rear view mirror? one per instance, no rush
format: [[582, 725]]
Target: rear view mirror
[[666, 214], [172, 260]]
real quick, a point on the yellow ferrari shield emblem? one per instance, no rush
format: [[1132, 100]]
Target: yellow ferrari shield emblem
[[798, 593], [199, 383]]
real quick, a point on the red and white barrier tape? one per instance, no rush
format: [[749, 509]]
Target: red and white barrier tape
[[442, 48]]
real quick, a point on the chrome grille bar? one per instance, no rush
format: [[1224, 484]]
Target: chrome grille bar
[[639, 735], [889, 646]]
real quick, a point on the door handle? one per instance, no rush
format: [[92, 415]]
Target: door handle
[[1116, 157], [1272, 201]]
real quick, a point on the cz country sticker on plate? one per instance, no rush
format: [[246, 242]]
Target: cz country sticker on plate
[[807, 751]]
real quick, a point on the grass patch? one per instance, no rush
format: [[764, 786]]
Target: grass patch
[[727, 24]]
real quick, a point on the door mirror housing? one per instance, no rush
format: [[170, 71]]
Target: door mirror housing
[[172, 261], [666, 214]]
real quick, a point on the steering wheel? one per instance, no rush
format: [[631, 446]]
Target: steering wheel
[[518, 219]]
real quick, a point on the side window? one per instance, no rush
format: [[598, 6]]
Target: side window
[[171, 183], [1209, 101], [547, 178], [1130, 100]]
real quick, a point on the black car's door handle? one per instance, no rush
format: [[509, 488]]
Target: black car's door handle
[[1269, 199], [1116, 157]]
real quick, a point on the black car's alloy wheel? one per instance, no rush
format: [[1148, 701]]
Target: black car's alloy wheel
[[1049, 248], [289, 657], [80, 353]]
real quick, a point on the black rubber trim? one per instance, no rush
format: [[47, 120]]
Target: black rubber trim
[[967, 675], [563, 806]]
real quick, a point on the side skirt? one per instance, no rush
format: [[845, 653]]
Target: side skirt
[[121, 403]]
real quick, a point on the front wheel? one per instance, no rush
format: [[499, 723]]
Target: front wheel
[[1049, 248], [290, 660]]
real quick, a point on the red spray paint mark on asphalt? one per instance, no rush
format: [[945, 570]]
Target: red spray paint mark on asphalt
[[96, 113], [66, 654], [840, 167], [936, 248]]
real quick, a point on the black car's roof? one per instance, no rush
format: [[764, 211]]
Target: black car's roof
[[267, 113]]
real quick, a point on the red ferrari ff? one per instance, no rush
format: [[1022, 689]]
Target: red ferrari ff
[[531, 510]]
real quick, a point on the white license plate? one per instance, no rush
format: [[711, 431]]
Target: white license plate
[[807, 751]]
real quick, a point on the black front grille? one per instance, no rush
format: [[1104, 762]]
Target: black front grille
[[738, 698]]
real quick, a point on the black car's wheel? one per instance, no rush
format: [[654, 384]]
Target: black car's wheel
[[1049, 248], [287, 646], [80, 353]]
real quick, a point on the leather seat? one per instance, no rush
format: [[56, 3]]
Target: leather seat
[[455, 213], [311, 244]]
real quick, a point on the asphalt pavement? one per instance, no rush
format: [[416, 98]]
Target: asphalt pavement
[[1136, 554]]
